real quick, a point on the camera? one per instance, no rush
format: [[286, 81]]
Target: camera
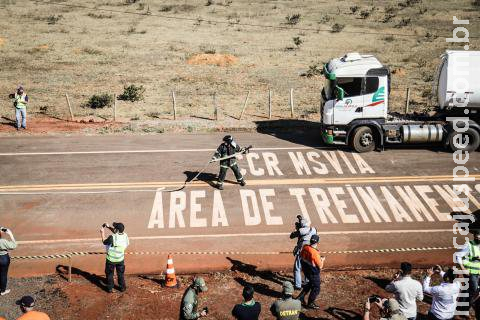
[[298, 224], [374, 298]]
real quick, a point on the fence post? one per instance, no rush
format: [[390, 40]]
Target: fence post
[[291, 103], [215, 106], [114, 107], [269, 104], [69, 107], [244, 105], [407, 101], [174, 104]]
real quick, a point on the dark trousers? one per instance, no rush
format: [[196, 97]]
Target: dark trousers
[[4, 264], [109, 271], [223, 173], [313, 284]]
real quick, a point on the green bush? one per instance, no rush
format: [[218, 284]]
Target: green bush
[[132, 93], [99, 101]]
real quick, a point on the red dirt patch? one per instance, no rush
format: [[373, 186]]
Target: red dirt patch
[[52, 125], [343, 294], [221, 60]]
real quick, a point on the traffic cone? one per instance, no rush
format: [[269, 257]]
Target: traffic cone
[[170, 278]]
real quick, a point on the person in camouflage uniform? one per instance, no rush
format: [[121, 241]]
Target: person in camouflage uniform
[[287, 308], [228, 148], [189, 305]]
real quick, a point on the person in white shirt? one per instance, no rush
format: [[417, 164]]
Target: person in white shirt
[[407, 291], [444, 296]]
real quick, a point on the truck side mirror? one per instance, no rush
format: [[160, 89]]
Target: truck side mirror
[[339, 93]]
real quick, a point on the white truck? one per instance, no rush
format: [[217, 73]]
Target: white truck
[[355, 101]]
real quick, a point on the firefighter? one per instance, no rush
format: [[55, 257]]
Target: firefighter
[[312, 264], [115, 244], [189, 305], [228, 148]]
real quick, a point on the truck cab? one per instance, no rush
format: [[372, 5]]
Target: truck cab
[[356, 88], [355, 101]]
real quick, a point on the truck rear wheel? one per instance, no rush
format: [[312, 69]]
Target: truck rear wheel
[[473, 140], [363, 140]]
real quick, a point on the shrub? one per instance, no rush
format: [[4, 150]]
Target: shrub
[[209, 3], [53, 19], [403, 23], [99, 101], [313, 70], [337, 27], [297, 41], [293, 19], [354, 9], [364, 14], [389, 38], [132, 93], [99, 16]]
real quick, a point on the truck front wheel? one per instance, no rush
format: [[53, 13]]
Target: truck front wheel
[[363, 140], [473, 140]]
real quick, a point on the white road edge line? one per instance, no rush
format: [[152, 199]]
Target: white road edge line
[[228, 235], [146, 151]]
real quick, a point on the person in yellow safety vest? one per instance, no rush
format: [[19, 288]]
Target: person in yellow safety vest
[[20, 102], [468, 259], [116, 244]]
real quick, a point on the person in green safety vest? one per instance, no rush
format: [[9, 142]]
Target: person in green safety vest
[[20, 102], [115, 244], [468, 259]]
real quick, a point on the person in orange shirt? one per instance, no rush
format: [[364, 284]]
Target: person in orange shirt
[[27, 303], [312, 264]]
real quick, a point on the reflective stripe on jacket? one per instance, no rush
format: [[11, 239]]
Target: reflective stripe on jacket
[[21, 100], [116, 252], [472, 261]]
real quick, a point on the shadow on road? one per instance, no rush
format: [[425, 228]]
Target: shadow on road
[[302, 132], [343, 314], [92, 278], [207, 177], [308, 133], [261, 288]]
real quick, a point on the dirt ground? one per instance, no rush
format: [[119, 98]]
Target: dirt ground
[[342, 297], [202, 47]]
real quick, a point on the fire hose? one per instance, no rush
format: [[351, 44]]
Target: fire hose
[[187, 182]]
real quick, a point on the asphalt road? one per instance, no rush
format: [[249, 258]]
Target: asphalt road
[[55, 192]]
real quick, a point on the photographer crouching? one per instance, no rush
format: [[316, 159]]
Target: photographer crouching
[[5, 246], [389, 308], [115, 244], [303, 232]]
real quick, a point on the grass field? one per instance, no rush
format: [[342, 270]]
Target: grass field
[[228, 47]]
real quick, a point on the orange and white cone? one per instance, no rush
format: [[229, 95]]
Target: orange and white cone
[[170, 278]]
